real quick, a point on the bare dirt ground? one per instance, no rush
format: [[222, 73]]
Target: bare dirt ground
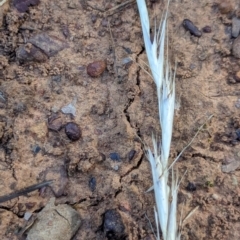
[[44, 54]]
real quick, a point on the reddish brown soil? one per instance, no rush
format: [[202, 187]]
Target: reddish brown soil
[[116, 112]]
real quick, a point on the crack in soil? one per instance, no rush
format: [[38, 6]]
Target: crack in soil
[[130, 101]]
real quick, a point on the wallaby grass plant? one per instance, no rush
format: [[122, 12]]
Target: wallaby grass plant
[[164, 78]]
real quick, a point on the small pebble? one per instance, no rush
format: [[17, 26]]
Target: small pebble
[[236, 47], [115, 156], [22, 5], [92, 183], [95, 69], [104, 22], [27, 215], [131, 155], [36, 149], [207, 29], [49, 44], [191, 187], [69, 109], [116, 168], [232, 166], [65, 31], [113, 225], [55, 123], [238, 134], [72, 131], [127, 62], [237, 104], [94, 18], [235, 27], [29, 52], [189, 26]]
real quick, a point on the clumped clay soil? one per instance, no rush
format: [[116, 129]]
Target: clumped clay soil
[[76, 108]]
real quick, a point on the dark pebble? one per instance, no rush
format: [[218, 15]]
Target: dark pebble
[[104, 22], [29, 52], [49, 44], [113, 225], [22, 5], [36, 149], [73, 131], [55, 123], [94, 18], [115, 156], [207, 29], [238, 134], [131, 155], [92, 183], [65, 31], [189, 26], [102, 33], [191, 187], [95, 69]]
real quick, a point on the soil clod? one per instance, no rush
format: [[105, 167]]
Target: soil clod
[[73, 131]]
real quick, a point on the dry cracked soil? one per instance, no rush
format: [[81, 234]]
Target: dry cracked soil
[[77, 107]]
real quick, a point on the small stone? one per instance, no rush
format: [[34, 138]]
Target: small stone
[[55, 123], [113, 225], [73, 131], [95, 69], [92, 183], [55, 222], [27, 215], [131, 155], [36, 149], [50, 45], [215, 196], [189, 26], [231, 166], [69, 109], [235, 27], [94, 18], [191, 187], [22, 5], [225, 7], [237, 104], [238, 134], [207, 29], [236, 47], [115, 156], [116, 168], [29, 52]]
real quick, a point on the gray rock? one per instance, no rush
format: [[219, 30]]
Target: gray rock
[[236, 47], [55, 222], [235, 27]]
